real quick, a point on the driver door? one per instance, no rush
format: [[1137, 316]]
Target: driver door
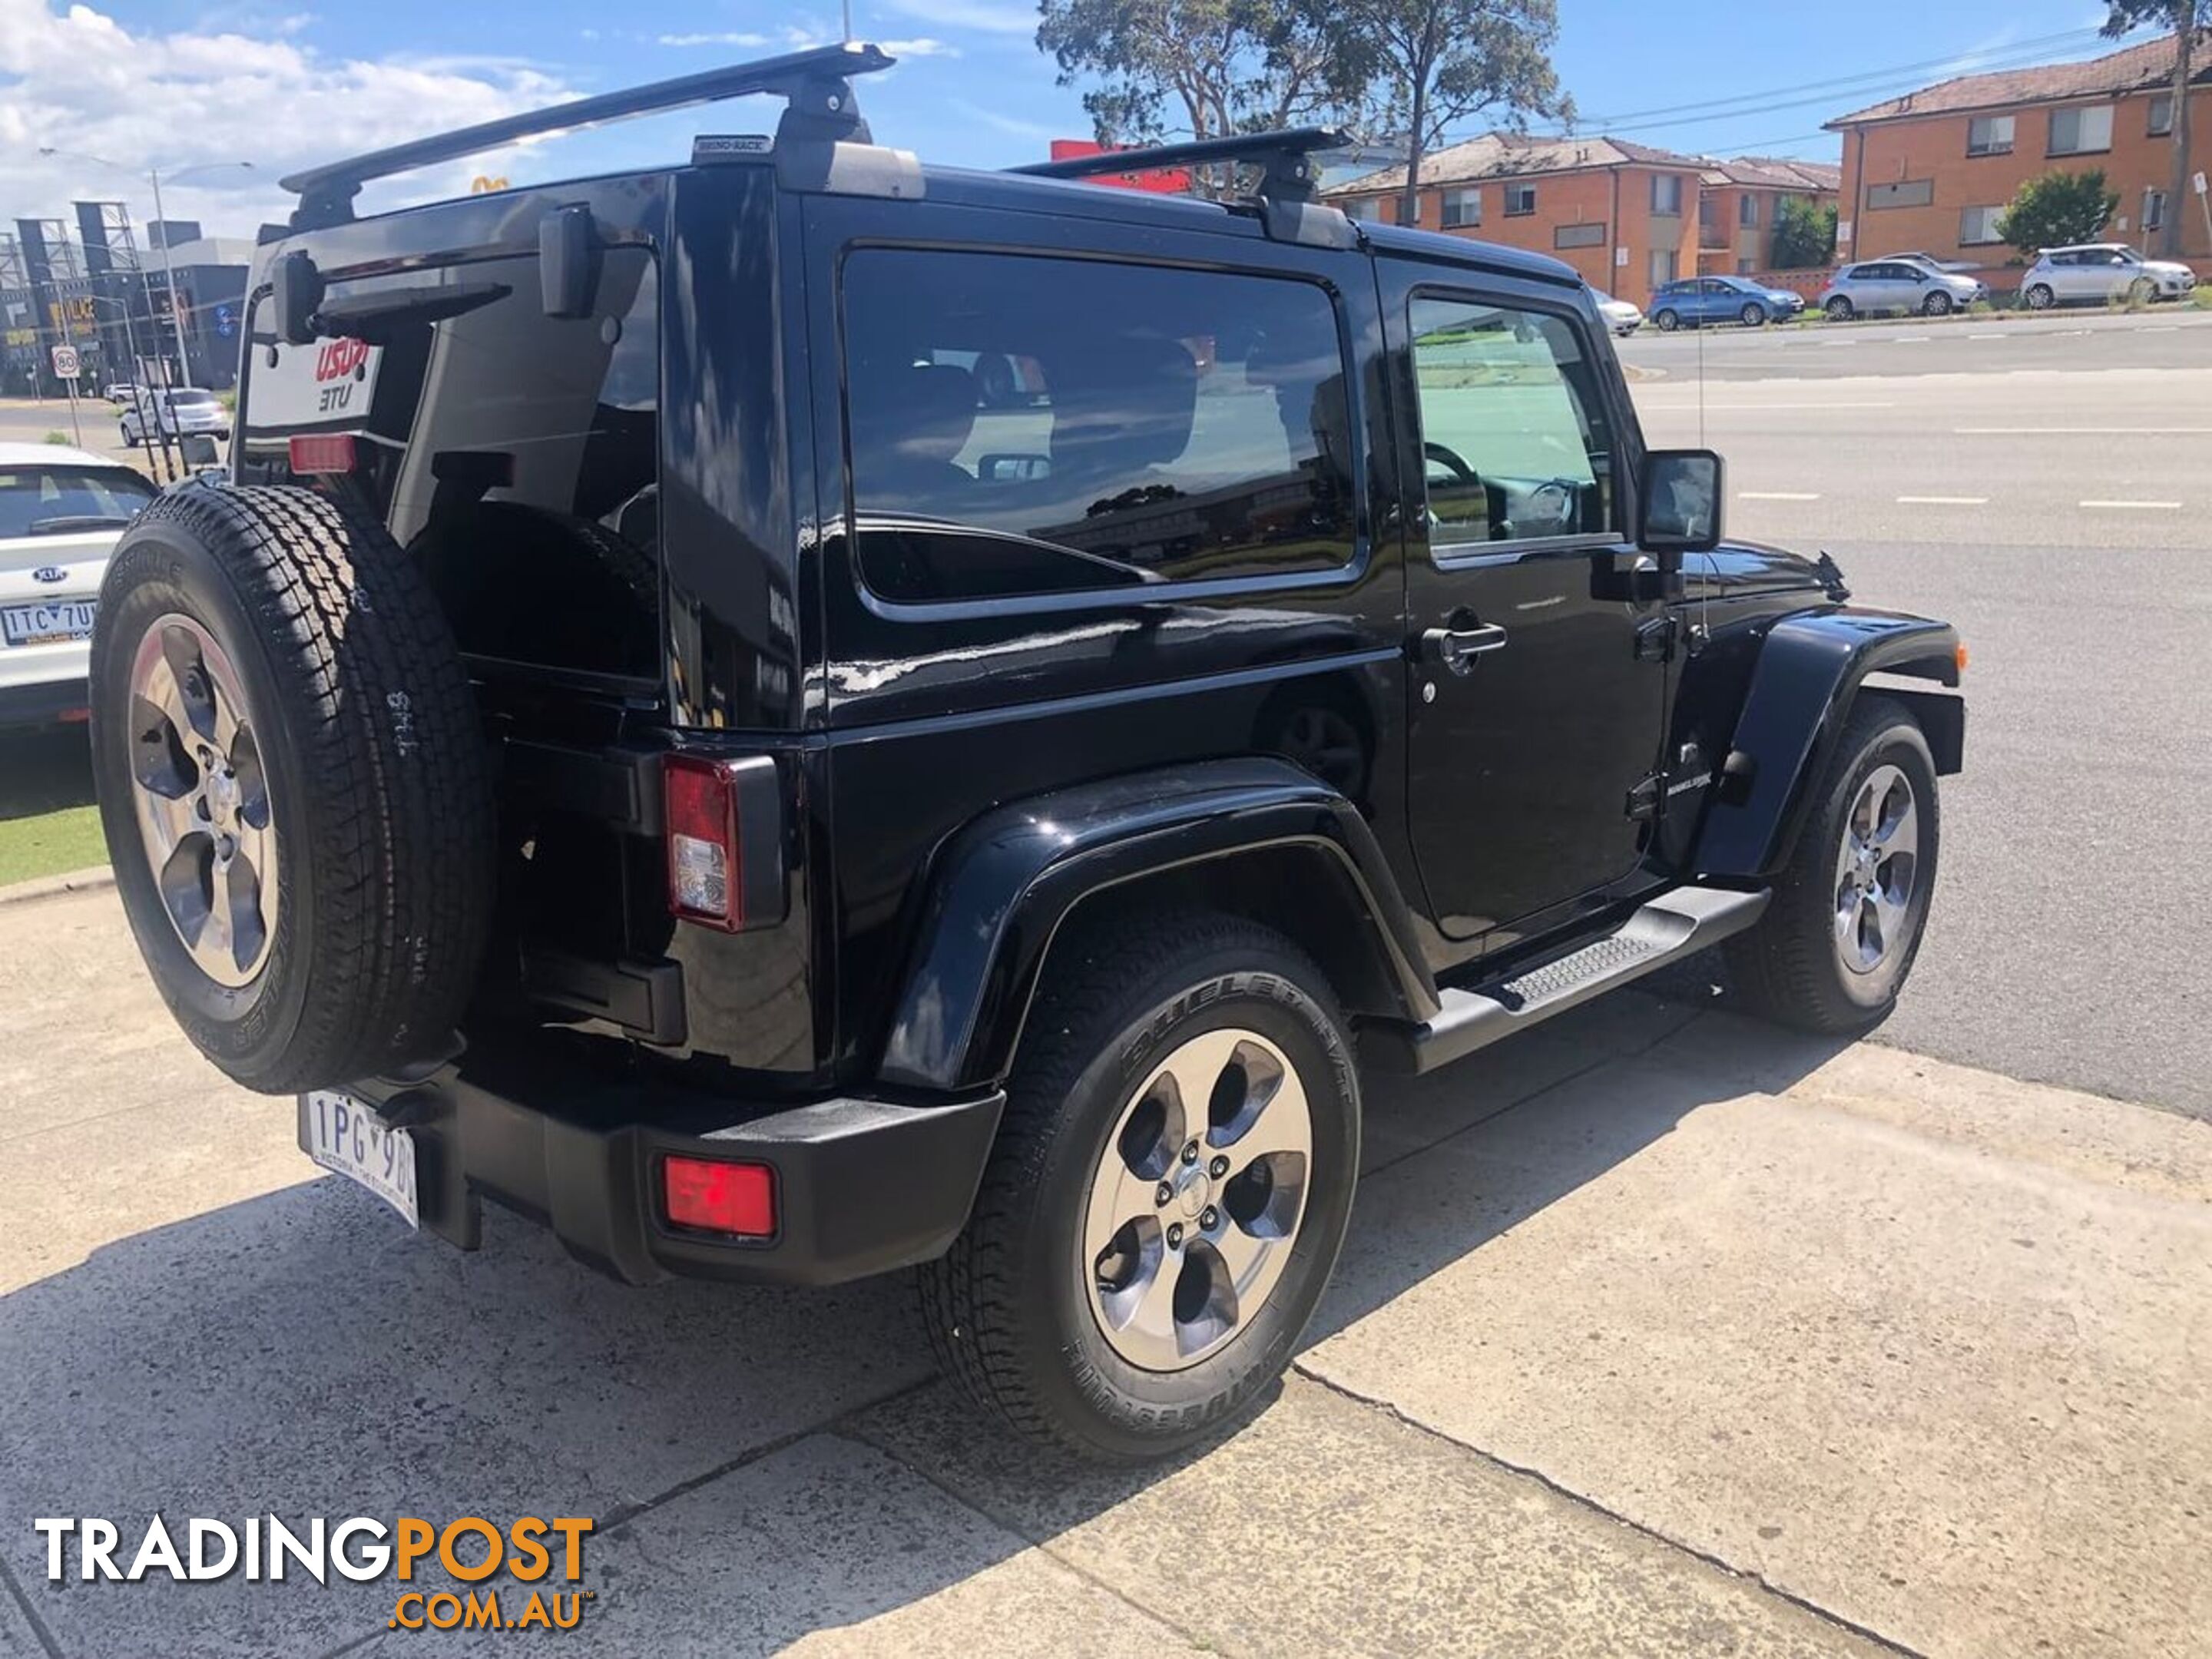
[[1536, 705]]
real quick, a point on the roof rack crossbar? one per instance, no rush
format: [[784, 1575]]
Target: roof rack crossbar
[[326, 192], [1266, 149]]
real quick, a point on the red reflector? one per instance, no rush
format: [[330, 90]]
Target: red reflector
[[322, 452], [74, 716], [703, 872], [738, 1199]]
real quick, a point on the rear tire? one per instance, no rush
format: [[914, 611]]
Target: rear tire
[[2040, 298], [1666, 321], [1838, 941], [1839, 310], [1096, 1347], [293, 785]]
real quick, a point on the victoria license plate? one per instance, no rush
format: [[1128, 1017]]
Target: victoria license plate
[[44, 624], [347, 1136]]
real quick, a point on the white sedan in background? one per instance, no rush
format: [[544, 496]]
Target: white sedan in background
[[1622, 318], [61, 511]]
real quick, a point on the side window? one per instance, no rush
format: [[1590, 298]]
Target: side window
[[1514, 436], [514, 455], [1019, 425]]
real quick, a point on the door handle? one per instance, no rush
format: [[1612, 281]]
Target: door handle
[[1456, 648]]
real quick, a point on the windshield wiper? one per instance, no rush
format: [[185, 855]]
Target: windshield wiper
[[65, 523]]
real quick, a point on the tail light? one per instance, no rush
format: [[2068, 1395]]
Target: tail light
[[725, 844], [716, 1196], [312, 452]]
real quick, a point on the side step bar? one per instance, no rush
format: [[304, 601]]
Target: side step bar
[[1663, 930]]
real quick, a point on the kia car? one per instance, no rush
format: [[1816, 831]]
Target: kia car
[[61, 511]]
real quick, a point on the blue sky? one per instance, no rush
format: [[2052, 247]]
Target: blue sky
[[280, 81]]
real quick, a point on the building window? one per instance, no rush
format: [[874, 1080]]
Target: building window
[[1666, 266], [1592, 235], [1520, 201], [2153, 209], [1666, 194], [1746, 215], [1977, 226], [1910, 193], [1368, 207], [1462, 208], [1989, 135], [1195, 427], [1514, 398], [2082, 131], [2162, 114]]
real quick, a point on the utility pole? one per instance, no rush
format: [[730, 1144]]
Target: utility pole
[[169, 278]]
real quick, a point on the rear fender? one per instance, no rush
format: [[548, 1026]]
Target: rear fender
[[1002, 887], [1810, 667]]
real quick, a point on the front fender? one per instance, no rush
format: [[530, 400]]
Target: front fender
[[1810, 665], [1001, 887]]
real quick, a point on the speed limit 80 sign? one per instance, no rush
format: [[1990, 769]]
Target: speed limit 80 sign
[[65, 362]]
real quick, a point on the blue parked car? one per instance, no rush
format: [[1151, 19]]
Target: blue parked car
[[1697, 300]]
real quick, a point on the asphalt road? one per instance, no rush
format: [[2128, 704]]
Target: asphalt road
[[2055, 500]]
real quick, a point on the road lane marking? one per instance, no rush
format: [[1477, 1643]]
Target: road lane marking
[[1775, 495], [1942, 500], [2146, 507], [2081, 431]]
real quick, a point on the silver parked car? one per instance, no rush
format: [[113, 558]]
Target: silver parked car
[[175, 413], [1622, 318], [2097, 272], [1874, 286]]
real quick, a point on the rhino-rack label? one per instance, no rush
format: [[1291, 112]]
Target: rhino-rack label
[[731, 147]]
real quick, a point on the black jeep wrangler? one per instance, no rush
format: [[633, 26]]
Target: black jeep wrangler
[[804, 714]]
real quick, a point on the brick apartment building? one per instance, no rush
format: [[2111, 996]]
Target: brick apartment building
[[1932, 171], [1627, 216]]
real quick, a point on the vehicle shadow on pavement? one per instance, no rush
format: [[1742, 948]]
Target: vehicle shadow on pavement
[[761, 1462], [43, 771]]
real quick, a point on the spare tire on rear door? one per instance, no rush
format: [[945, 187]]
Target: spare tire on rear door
[[293, 782]]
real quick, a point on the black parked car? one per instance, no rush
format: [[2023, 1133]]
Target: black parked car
[[649, 737]]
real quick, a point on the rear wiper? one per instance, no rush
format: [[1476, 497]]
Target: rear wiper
[[66, 523], [377, 317]]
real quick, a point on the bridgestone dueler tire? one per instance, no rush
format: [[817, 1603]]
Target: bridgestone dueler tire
[[377, 783], [1786, 968], [1007, 1307]]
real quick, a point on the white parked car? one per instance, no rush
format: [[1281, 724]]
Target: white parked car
[[61, 511], [175, 413], [2097, 272], [1622, 318]]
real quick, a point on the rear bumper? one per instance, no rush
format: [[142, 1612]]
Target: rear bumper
[[862, 1186], [44, 703]]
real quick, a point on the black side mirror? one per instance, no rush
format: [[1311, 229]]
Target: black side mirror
[[296, 291], [1679, 502], [567, 262]]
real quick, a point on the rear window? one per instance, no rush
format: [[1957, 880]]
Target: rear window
[[191, 400], [58, 501], [1023, 425], [515, 454]]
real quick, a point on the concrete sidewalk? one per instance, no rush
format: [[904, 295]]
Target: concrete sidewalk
[[1658, 1333]]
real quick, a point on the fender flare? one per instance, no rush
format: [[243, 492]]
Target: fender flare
[[999, 889], [1809, 668]]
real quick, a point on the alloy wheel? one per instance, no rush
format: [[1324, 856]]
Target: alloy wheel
[[201, 797], [1877, 867], [1197, 1201]]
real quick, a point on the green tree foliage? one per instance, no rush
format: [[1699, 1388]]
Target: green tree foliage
[[2057, 209], [1440, 63], [1804, 234], [2184, 18], [1199, 69]]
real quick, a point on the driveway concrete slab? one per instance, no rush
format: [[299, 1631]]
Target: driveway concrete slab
[[1330, 1527], [17, 1639], [1936, 1364], [828, 1547]]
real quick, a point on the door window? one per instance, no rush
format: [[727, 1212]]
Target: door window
[[1024, 425], [1514, 437]]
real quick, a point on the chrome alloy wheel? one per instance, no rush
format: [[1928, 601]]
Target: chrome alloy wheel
[[1197, 1201], [202, 799], [1876, 868]]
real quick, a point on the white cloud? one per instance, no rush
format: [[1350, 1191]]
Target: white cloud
[[1013, 125], [80, 80], [988, 16], [922, 46], [721, 38]]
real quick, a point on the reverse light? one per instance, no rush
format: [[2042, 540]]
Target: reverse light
[[718, 1197], [321, 452]]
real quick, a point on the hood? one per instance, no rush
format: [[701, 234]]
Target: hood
[[1618, 308], [1751, 566], [2167, 267]]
